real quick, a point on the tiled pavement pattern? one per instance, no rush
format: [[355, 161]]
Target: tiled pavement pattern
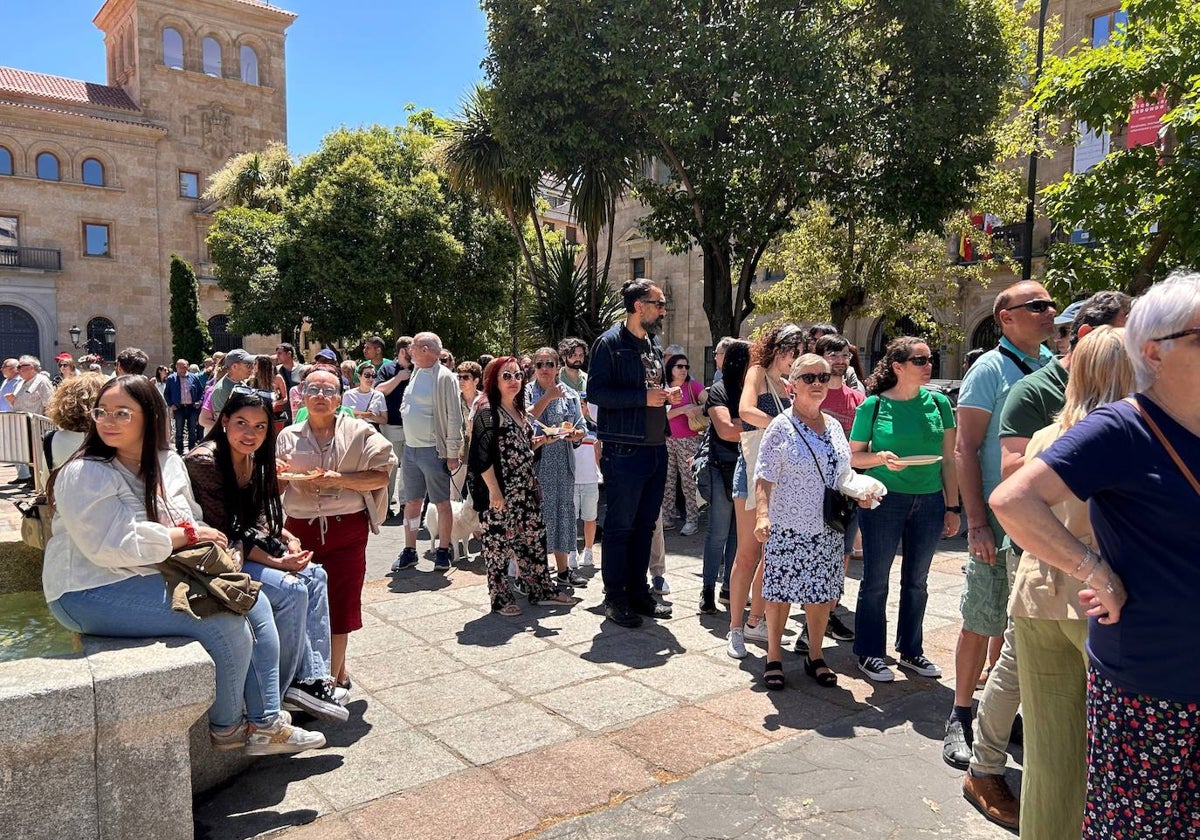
[[466, 724]]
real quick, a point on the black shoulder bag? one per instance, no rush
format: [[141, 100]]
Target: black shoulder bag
[[837, 509]]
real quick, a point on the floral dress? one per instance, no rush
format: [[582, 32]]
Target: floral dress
[[802, 559], [515, 533], [556, 470]]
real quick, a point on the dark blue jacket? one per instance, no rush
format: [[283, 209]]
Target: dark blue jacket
[[617, 385], [196, 384]]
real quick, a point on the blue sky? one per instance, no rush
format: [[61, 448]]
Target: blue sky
[[350, 62]]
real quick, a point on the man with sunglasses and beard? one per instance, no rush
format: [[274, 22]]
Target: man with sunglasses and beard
[[1025, 314], [626, 383]]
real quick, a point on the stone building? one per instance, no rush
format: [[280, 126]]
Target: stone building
[[101, 183], [681, 275]]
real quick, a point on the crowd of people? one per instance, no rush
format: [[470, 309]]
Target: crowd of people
[[1076, 500]]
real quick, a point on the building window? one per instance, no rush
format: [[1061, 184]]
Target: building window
[[1103, 26], [95, 240], [572, 235], [5, 161], [172, 43], [47, 167], [249, 65], [189, 185], [211, 52], [637, 268], [10, 241], [99, 337], [93, 172]]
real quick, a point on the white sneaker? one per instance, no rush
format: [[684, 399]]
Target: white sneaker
[[586, 560], [281, 738], [737, 644], [757, 633], [573, 560], [688, 529], [659, 585]]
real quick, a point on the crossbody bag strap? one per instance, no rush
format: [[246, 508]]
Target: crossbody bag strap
[[1166, 444], [1014, 358], [774, 396], [874, 419], [800, 434]]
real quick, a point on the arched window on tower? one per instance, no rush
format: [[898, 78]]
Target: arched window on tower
[[47, 167], [249, 61], [6, 163], [93, 172], [172, 45], [211, 52]]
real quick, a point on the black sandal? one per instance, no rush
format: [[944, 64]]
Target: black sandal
[[773, 675], [828, 679]]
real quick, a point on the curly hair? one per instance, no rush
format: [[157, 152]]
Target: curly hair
[[782, 339], [898, 350], [73, 401]]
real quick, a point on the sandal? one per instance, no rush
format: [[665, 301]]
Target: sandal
[[826, 678], [556, 598], [510, 609], [773, 675]]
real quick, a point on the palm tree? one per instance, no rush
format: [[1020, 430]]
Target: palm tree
[[595, 188], [256, 180], [564, 300]]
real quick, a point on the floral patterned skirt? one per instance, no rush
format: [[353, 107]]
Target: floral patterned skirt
[[802, 568]]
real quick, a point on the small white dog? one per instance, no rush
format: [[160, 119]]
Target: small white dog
[[466, 522]]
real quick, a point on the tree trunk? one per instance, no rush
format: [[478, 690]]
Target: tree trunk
[[718, 292], [593, 278]]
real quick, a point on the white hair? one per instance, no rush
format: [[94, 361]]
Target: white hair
[[1165, 308], [30, 360]]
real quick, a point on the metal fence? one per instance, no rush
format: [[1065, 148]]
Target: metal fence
[[21, 441]]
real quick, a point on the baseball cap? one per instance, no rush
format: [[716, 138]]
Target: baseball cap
[[239, 356], [327, 354], [1065, 317], [64, 357]]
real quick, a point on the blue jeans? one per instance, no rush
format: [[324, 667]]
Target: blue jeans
[[245, 652], [635, 478], [721, 543], [914, 524], [300, 602]]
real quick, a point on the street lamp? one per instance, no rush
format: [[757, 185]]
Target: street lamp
[[110, 340]]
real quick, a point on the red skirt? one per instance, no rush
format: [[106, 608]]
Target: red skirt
[[344, 556]]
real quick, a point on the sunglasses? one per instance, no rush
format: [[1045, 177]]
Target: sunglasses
[[443, 359], [463, 377], [544, 365], [810, 378], [661, 304], [509, 376], [328, 392], [685, 367], [918, 361], [65, 364], [1037, 307], [366, 375], [1180, 334]]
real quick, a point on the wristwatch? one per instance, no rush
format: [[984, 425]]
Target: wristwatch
[[954, 509]]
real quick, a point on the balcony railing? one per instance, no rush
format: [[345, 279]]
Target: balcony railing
[[42, 259]]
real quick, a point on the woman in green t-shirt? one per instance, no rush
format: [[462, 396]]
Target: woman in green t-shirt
[[900, 423]]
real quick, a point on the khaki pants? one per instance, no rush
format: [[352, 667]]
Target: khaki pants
[[1001, 696], [1053, 676]]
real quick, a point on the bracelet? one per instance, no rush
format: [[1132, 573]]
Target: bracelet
[[1090, 559], [956, 509], [1108, 587], [189, 531]]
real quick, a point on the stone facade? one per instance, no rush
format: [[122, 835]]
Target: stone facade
[[159, 122]]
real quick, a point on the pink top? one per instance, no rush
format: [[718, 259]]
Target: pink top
[[679, 423]]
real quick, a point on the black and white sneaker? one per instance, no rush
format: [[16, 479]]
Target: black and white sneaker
[[919, 665], [875, 668], [837, 630], [406, 560], [317, 698], [570, 577]]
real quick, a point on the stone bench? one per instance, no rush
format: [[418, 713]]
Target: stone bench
[[108, 743]]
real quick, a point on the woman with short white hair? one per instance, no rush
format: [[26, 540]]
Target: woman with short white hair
[[1132, 461]]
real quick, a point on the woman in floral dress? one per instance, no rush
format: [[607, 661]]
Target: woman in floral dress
[[505, 491]]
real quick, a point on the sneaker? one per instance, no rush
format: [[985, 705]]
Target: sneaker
[[288, 706], [723, 598], [668, 523], [992, 797], [573, 560], [317, 698], [586, 559], [229, 739], [737, 643], [651, 608], [708, 604], [622, 615], [572, 578], [688, 529], [956, 746], [659, 585], [341, 693], [519, 585], [281, 738], [919, 665], [757, 633], [406, 560], [441, 559], [802, 641], [837, 629], [875, 668]]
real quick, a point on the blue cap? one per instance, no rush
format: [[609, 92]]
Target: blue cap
[[1065, 317]]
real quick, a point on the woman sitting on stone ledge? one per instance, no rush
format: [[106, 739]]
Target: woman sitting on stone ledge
[[124, 504]]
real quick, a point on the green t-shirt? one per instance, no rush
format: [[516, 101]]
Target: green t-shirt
[[906, 427], [1034, 401]]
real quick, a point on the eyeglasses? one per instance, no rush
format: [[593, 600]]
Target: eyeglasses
[[1180, 334], [121, 416], [918, 361], [27, 364], [661, 304], [509, 376], [328, 392], [810, 378], [443, 359], [685, 367], [463, 377], [544, 365], [1037, 307]]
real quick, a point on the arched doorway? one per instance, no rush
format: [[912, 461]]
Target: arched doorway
[[904, 326], [223, 339], [18, 333], [98, 336], [986, 335]]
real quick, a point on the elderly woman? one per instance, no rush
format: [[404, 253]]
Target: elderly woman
[[1132, 462], [553, 406], [126, 505], [803, 451], [336, 471], [70, 409], [505, 492]]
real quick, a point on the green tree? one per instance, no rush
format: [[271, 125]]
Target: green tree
[[755, 108], [1138, 203], [256, 180], [190, 338]]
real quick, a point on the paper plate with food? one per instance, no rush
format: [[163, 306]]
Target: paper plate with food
[[301, 476]]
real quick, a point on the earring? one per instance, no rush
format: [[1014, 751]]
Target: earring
[[225, 430]]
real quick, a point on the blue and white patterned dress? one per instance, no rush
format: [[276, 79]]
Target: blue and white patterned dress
[[802, 559], [556, 469]]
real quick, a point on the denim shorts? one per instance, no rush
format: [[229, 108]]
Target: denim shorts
[[587, 501], [423, 474], [740, 479]]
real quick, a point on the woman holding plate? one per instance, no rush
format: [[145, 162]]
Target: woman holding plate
[[903, 435]]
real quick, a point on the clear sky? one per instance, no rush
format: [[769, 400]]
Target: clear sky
[[350, 62]]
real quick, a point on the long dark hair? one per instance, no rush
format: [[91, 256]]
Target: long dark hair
[[670, 366], [154, 437], [262, 497], [733, 371], [898, 350], [491, 383]]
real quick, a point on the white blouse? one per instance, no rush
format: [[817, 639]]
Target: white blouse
[[100, 531]]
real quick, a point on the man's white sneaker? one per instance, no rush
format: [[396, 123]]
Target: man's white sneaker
[[737, 643], [586, 560], [573, 560], [875, 668], [281, 738], [757, 633], [688, 529]]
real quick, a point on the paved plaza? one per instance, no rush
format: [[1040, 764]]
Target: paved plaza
[[557, 724]]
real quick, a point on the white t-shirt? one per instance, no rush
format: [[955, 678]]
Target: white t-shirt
[[371, 401], [417, 408], [587, 470]]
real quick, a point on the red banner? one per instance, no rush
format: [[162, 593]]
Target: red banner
[[1145, 120]]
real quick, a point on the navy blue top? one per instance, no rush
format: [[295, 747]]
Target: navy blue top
[[1146, 518]]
